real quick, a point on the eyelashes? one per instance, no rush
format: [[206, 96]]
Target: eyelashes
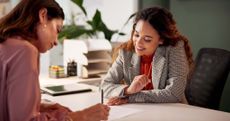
[[145, 38]]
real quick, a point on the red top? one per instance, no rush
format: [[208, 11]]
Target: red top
[[146, 68]]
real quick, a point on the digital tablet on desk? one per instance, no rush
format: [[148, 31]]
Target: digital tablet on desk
[[65, 89]]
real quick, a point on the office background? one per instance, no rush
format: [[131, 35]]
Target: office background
[[205, 22]]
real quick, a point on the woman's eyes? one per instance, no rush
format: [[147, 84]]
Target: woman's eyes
[[136, 35], [146, 39]]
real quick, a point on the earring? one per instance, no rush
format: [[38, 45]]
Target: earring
[[44, 27]]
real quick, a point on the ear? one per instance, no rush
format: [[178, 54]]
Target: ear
[[43, 16]]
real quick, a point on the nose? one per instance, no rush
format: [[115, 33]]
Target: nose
[[56, 42], [139, 40]]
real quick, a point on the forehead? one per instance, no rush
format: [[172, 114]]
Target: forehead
[[145, 27]]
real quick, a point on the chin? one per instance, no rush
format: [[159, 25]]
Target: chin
[[43, 50], [139, 53]]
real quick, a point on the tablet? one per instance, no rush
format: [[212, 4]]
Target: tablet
[[65, 89]]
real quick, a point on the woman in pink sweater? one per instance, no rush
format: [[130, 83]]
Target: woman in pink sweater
[[31, 28]]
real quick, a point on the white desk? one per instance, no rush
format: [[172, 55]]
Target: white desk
[[45, 80], [151, 112]]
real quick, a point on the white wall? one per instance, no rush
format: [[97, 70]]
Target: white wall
[[116, 12]]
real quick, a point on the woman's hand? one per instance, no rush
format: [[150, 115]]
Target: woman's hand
[[117, 101], [51, 107], [139, 82], [97, 112]]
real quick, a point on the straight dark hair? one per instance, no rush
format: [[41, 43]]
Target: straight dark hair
[[22, 20]]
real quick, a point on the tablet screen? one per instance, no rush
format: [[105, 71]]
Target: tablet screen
[[66, 89]]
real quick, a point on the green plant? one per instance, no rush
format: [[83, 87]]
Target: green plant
[[96, 25]]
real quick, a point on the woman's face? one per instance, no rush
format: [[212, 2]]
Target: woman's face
[[145, 38], [48, 34]]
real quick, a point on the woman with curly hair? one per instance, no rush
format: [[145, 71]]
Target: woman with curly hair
[[153, 66]]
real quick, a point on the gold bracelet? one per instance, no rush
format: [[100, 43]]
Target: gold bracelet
[[68, 118]]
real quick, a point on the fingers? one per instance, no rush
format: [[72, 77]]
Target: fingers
[[139, 82], [99, 112], [105, 112], [117, 101], [55, 106], [112, 101], [121, 101], [142, 80]]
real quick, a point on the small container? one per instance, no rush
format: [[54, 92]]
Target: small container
[[56, 71], [72, 68]]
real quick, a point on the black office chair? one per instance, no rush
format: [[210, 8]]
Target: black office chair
[[207, 81]]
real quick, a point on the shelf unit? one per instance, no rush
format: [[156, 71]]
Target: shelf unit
[[93, 57]]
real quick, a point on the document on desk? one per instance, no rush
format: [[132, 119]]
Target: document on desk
[[117, 112]]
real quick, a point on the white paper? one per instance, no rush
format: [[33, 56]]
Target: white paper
[[117, 112]]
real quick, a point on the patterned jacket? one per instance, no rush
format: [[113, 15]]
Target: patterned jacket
[[169, 75]]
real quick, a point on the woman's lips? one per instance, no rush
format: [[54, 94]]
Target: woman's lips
[[140, 48]]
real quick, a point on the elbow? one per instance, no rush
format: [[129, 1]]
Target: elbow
[[177, 97]]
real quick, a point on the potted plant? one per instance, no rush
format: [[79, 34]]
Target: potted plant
[[94, 26]]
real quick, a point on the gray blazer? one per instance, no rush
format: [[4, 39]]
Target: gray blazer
[[169, 74]]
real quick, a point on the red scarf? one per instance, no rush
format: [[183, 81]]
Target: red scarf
[[146, 68]]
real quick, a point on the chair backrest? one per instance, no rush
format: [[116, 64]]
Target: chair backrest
[[207, 81]]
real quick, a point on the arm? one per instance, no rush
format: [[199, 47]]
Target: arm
[[175, 83], [23, 91], [111, 84]]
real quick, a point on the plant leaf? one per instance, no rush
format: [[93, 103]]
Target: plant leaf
[[72, 31], [80, 4], [107, 32], [94, 23]]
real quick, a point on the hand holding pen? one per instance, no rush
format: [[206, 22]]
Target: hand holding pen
[[102, 96], [98, 112]]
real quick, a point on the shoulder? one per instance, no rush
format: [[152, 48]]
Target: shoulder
[[177, 52], [125, 53], [25, 46], [20, 47], [178, 46], [179, 43], [170, 50]]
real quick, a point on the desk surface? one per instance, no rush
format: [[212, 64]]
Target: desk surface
[[151, 112]]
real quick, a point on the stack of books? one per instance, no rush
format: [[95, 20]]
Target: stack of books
[[56, 71]]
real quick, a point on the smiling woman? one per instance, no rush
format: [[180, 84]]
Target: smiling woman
[[153, 66]]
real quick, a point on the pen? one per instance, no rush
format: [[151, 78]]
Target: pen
[[102, 96]]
